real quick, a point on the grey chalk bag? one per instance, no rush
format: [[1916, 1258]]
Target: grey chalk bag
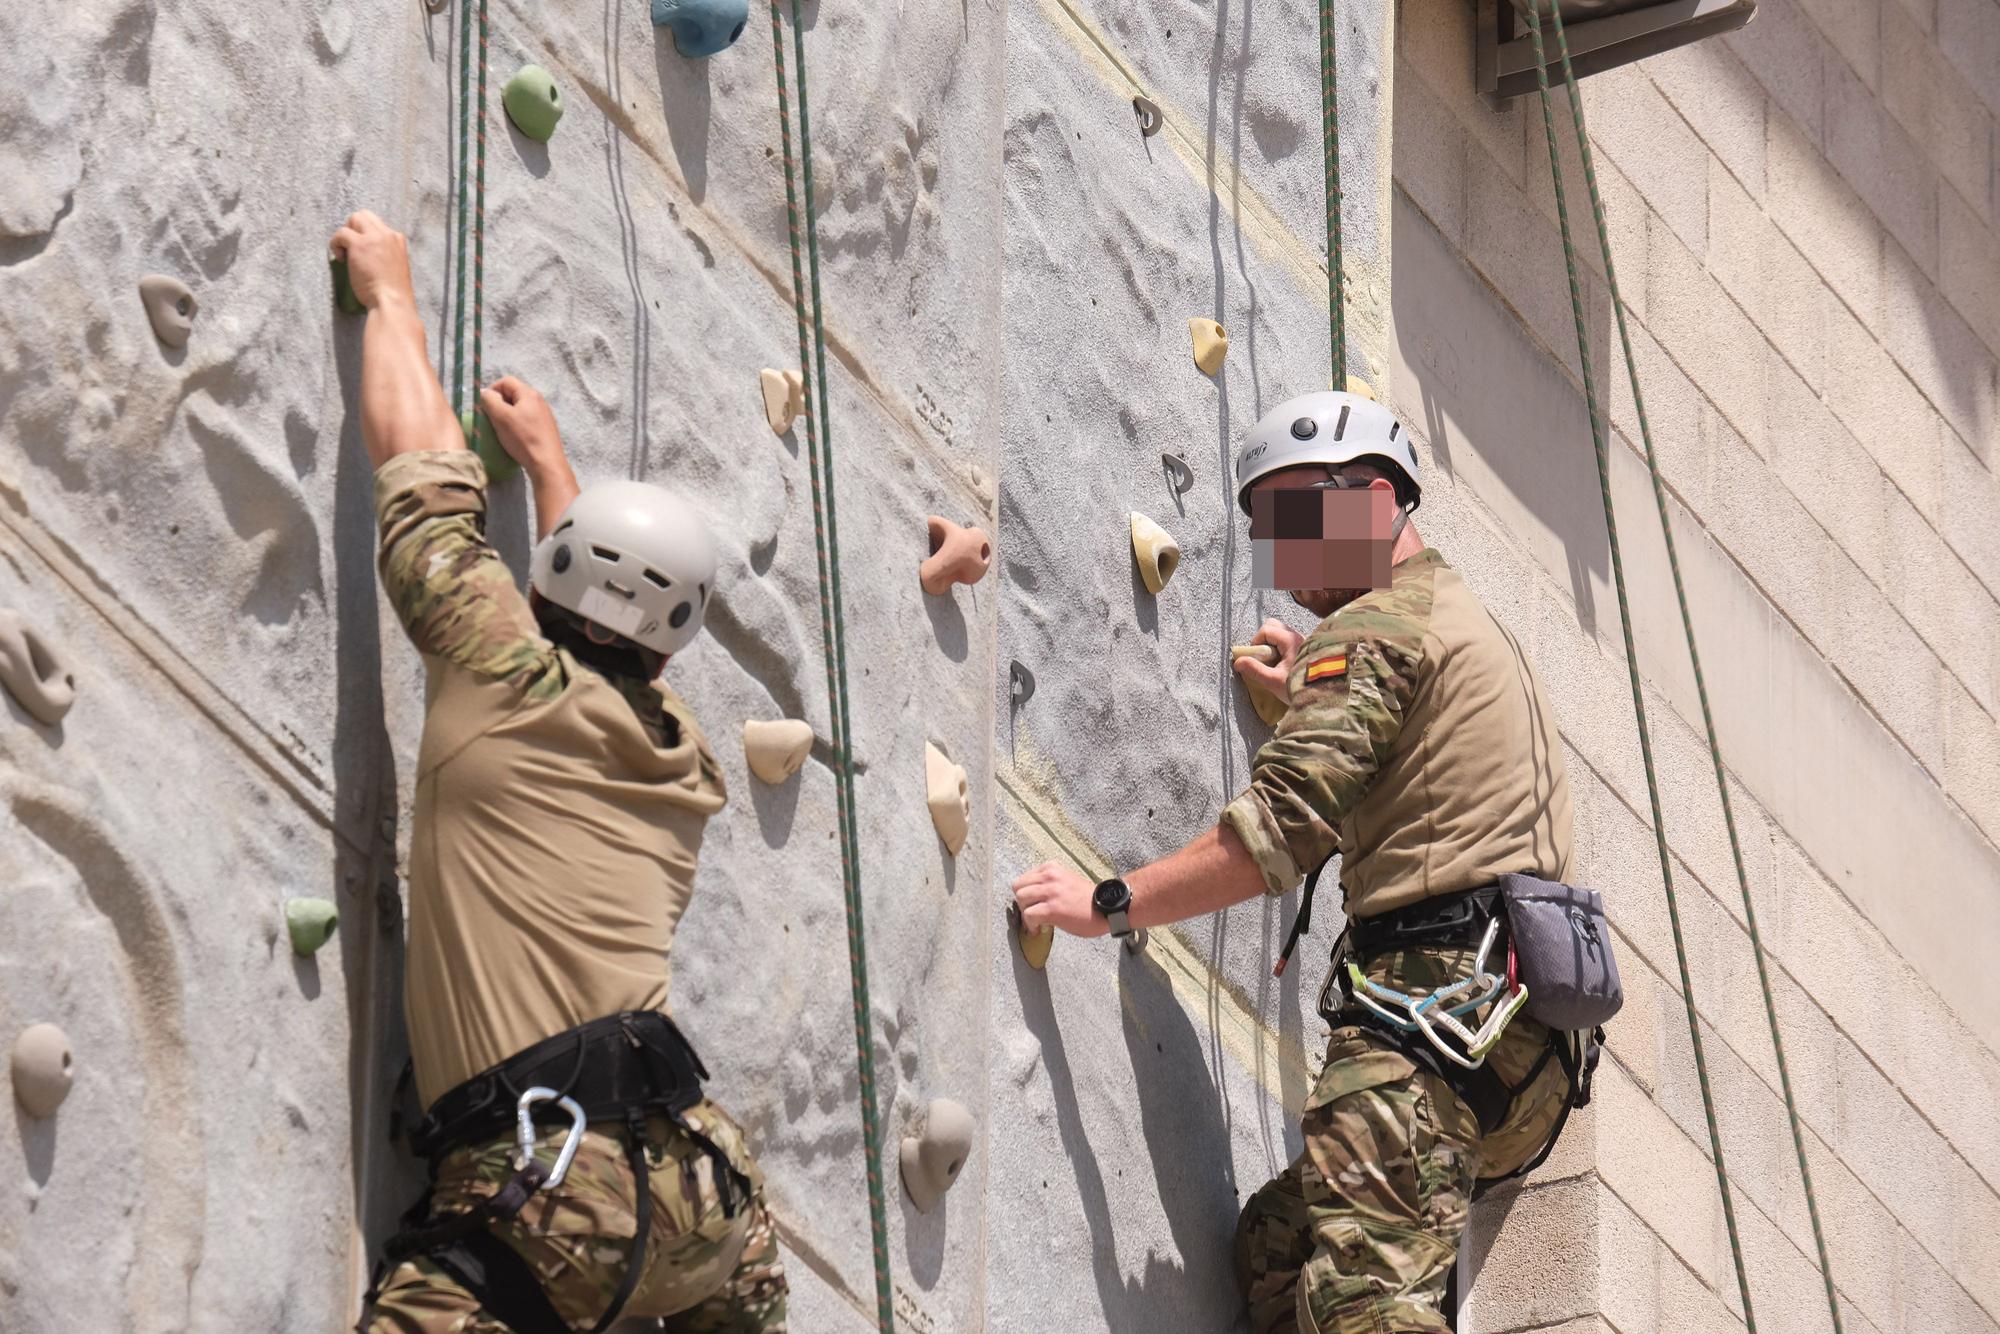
[[1562, 947]]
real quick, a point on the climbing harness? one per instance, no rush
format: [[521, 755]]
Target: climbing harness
[[1427, 1014], [1602, 449], [614, 1071], [826, 550]]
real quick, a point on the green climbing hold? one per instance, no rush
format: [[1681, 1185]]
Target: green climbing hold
[[479, 438], [311, 923], [343, 289], [533, 103]]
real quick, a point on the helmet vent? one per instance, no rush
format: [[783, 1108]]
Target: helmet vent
[[703, 588], [1340, 427], [564, 526], [1393, 428], [658, 580], [605, 553]]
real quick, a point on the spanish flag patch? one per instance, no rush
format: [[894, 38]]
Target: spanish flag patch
[[1327, 668]]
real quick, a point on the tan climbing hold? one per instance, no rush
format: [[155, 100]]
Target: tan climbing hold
[[1357, 385], [1156, 551], [948, 797], [934, 1156], [1211, 344], [170, 307], [958, 556], [784, 397], [33, 671], [1268, 706], [776, 750], [43, 1069], [1036, 943]]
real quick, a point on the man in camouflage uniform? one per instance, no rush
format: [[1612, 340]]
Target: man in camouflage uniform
[[561, 794], [1417, 744]]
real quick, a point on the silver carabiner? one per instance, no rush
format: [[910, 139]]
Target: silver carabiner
[[525, 1137]]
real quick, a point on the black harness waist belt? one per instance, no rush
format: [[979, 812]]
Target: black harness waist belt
[[1445, 920], [636, 1059]]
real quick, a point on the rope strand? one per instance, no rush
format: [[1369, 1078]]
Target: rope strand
[[1329, 105]]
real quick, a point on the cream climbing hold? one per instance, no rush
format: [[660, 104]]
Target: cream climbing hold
[[34, 672], [311, 923], [934, 1156], [43, 1069], [1268, 706], [170, 306], [1156, 551], [533, 102], [958, 556], [1211, 344], [784, 397], [948, 797], [1036, 943], [776, 750], [1357, 385]]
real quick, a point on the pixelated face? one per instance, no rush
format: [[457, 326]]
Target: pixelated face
[[1326, 540]]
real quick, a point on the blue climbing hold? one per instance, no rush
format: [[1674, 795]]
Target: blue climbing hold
[[702, 27]]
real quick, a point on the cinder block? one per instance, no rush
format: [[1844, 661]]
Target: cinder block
[[1888, 170], [1767, 275], [1950, 363], [1972, 758], [1430, 153], [1822, 464], [1882, 406], [1724, 103], [1661, 1174], [1786, 54], [1520, 254], [1969, 266], [1705, 331], [1969, 512], [1522, 1279], [1852, 28], [1929, 98], [1639, 130], [1939, 596], [1436, 42], [1968, 32], [1823, 217], [1932, 1297]]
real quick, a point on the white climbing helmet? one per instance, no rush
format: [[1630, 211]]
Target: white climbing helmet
[[1333, 428], [634, 558]]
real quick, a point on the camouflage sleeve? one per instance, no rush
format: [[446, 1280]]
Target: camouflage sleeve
[[1351, 687], [450, 589]]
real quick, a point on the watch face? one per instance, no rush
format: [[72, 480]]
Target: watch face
[[1111, 896]]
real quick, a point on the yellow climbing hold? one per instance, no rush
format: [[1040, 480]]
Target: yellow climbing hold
[[1156, 552], [784, 398], [1035, 944], [1211, 344], [1268, 706], [1357, 385]]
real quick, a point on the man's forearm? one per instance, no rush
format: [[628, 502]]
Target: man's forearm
[[554, 486], [1213, 872], [403, 408]]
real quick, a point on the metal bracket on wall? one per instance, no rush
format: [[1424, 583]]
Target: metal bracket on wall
[[1148, 112]]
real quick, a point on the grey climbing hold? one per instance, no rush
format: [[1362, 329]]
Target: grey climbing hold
[[1179, 476], [533, 102], [702, 27], [33, 671], [170, 306], [1148, 112], [311, 923], [934, 1156], [43, 1069]]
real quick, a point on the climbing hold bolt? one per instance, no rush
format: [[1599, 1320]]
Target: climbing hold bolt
[[784, 398], [479, 438], [1268, 706], [33, 671], [948, 797], [170, 307], [43, 1069], [775, 750], [1036, 944], [958, 556], [1211, 344], [933, 1157], [311, 923], [343, 288], [533, 103], [1157, 552], [1179, 476], [1148, 112], [702, 27]]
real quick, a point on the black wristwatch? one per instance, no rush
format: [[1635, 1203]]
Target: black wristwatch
[[1112, 899]]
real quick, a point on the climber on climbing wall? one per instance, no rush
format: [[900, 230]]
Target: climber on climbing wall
[[1417, 744], [561, 794]]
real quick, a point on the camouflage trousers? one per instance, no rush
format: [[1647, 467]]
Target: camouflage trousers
[[705, 1272], [1359, 1234]]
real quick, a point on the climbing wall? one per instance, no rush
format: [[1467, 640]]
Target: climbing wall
[[210, 721]]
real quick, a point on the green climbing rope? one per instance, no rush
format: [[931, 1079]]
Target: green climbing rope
[[464, 199], [826, 549], [479, 219], [1329, 114], [1694, 657]]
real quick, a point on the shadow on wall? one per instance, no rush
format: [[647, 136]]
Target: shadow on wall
[[1185, 1144], [1493, 404]]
